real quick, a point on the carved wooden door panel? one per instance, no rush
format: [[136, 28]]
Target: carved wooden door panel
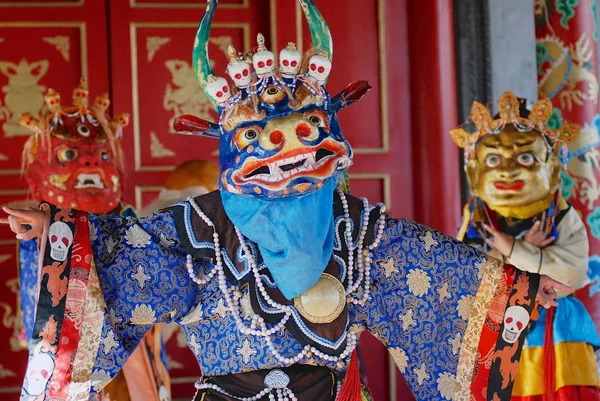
[[42, 44]]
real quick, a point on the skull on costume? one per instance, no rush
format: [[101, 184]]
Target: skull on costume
[[61, 238], [38, 373], [218, 89], [289, 61], [516, 319], [319, 68], [263, 60], [238, 69], [163, 394]]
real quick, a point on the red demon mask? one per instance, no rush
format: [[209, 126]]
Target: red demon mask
[[74, 157]]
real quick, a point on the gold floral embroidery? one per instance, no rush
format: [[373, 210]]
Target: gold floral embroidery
[[100, 379], [193, 342], [246, 351], [447, 385], [418, 282], [194, 316], [109, 341], [246, 306], [429, 240], [407, 320], [455, 343], [421, 374], [465, 304], [143, 314], [137, 237], [401, 359], [389, 267], [220, 309], [443, 292]]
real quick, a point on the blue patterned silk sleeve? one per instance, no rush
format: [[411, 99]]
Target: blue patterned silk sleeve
[[28, 277], [144, 281], [427, 290]]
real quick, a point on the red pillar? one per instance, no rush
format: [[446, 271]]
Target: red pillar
[[433, 114], [567, 52]]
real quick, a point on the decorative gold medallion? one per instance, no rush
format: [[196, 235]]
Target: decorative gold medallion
[[323, 302]]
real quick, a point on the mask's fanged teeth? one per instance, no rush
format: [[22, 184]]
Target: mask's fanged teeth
[[258, 171], [291, 166], [89, 181], [322, 153]]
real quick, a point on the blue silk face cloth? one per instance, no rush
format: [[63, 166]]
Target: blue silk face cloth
[[294, 235]]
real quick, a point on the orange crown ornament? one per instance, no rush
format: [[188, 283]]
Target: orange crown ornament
[[510, 112], [52, 121]]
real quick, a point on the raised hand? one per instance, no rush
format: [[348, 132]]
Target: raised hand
[[500, 241], [546, 294], [18, 219], [536, 237]]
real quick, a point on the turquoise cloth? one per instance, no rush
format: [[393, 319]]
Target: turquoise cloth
[[294, 235], [572, 323]]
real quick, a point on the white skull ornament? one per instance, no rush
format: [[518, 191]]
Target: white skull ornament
[[289, 60], [516, 319], [163, 394], [218, 89], [319, 68], [238, 69], [38, 373], [263, 60], [61, 238]]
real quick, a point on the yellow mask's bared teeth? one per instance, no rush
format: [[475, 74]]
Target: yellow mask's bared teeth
[[59, 180], [115, 180]]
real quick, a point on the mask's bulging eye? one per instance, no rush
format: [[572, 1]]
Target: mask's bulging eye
[[492, 160], [250, 135], [318, 119], [246, 136], [272, 95], [526, 159], [66, 155], [83, 130]]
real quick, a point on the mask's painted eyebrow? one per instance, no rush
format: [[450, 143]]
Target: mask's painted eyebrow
[[524, 143], [493, 145]]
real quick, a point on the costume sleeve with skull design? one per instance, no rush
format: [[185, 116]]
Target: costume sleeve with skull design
[[452, 319], [99, 295], [565, 260]]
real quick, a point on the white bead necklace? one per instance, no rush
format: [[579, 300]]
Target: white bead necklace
[[258, 327], [363, 257]]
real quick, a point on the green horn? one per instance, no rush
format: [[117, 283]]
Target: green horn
[[319, 31], [200, 58]]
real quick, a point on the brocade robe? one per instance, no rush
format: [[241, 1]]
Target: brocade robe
[[437, 304]]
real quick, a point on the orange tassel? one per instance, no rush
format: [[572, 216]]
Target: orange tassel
[[351, 389]]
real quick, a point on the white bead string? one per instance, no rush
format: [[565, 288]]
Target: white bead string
[[284, 394], [363, 258], [258, 326]]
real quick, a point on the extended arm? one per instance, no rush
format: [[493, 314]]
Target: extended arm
[[565, 260], [440, 306]]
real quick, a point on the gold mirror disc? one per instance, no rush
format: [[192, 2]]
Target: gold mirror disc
[[323, 302]]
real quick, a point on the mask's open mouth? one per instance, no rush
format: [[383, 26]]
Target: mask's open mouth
[[318, 162], [89, 181], [284, 168]]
